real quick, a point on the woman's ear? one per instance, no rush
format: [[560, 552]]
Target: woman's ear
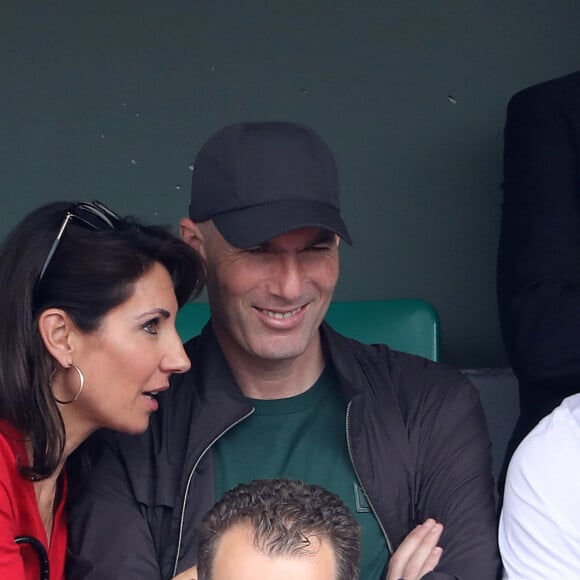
[[55, 327], [192, 235]]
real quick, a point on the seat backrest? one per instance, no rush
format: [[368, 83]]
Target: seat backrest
[[499, 394], [408, 325], [191, 319]]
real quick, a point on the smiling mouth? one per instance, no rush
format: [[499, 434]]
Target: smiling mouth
[[281, 315]]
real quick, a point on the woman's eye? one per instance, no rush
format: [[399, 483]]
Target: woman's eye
[[152, 326]]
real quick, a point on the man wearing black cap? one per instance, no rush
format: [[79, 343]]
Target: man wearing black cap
[[275, 392]]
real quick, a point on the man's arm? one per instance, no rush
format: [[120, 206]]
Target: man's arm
[[109, 538], [538, 276], [539, 535], [454, 484]]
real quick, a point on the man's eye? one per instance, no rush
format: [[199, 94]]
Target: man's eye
[[152, 326], [255, 250]]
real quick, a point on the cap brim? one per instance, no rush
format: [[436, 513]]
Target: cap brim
[[244, 228]]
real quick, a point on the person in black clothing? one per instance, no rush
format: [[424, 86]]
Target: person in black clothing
[[274, 392], [538, 268]]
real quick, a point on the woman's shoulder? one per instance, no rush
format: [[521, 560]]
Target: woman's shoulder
[[10, 439], [12, 453]]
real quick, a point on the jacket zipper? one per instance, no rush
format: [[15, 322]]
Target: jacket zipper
[[389, 545], [182, 517]]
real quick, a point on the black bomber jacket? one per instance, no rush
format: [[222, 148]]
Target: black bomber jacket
[[416, 432]]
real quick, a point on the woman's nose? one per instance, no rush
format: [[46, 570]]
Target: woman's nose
[[176, 360]]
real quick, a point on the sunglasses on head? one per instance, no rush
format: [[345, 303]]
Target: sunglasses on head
[[93, 215]]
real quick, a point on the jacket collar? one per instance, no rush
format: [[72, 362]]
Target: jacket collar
[[217, 384], [338, 350]]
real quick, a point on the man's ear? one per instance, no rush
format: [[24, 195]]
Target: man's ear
[[192, 235], [56, 327]]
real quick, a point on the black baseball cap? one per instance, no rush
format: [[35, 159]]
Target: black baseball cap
[[259, 180]]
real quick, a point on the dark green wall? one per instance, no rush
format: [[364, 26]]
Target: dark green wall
[[111, 99]]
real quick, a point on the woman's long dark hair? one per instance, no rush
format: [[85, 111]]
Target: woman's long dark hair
[[90, 273]]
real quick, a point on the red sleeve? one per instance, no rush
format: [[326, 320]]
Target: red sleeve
[[19, 517], [11, 562]]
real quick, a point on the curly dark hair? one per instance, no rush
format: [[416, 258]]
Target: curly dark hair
[[283, 514]]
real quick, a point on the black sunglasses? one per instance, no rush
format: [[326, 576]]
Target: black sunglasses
[[94, 215]]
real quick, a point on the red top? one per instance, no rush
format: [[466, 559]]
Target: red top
[[19, 516]]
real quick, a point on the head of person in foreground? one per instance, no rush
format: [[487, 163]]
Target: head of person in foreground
[[279, 529]]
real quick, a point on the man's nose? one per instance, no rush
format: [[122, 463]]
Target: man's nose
[[288, 276]]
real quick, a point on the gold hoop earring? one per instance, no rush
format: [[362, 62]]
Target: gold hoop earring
[[81, 380]]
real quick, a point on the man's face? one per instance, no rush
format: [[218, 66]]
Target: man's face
[[268, 301], [236, 558]]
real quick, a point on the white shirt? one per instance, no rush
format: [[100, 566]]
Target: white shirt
[[539, 530]]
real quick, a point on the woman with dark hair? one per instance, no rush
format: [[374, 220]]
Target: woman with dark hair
[[87, 339]]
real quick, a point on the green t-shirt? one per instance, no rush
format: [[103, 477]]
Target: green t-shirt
[[304, 438]]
